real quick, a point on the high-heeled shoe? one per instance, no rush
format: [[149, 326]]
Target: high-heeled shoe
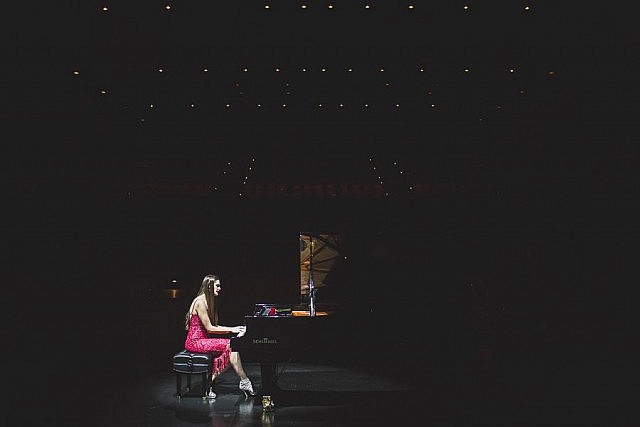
[[246, 387], [211, 394]]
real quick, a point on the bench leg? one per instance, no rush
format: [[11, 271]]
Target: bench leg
[[205, 385]]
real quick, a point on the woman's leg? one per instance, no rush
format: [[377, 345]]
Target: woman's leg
[[236, 362], [245, 383]]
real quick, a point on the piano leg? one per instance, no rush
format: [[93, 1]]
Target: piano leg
[[268, 374]]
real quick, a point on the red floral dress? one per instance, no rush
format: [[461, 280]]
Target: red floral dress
[[199, 341]]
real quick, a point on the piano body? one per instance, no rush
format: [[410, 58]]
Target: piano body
[[281, 338], [287, 332]]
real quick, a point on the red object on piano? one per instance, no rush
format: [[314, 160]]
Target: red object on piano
[[272, 312]]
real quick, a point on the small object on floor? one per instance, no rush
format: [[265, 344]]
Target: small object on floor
[[267, 404]]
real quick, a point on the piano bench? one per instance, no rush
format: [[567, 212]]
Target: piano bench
[[205, 364]]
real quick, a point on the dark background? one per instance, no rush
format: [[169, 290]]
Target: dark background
[[526, 214]]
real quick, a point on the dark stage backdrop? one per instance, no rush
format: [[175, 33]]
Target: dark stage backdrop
[[94, 277]]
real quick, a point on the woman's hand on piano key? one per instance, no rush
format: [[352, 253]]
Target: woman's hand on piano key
[[240, 330]]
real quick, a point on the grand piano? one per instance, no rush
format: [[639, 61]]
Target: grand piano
[[308, 329]]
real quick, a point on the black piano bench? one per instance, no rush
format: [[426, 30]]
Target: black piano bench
[[188, 363]]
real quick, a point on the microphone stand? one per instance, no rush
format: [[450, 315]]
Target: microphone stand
[[312, 290]]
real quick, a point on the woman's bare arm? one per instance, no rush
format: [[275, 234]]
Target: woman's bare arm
[[201, 309]]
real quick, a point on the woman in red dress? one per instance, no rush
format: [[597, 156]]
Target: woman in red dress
[[201, 324]]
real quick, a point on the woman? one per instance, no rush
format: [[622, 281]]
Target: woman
[[201, 322]]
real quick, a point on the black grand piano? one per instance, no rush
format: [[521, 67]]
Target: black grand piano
[[307, 329]]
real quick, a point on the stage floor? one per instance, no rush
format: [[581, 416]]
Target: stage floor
[[527, 392]]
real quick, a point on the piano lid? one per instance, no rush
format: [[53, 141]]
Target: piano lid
[[319, 254]]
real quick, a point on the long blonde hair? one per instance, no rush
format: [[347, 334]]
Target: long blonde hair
[[207, 288]]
